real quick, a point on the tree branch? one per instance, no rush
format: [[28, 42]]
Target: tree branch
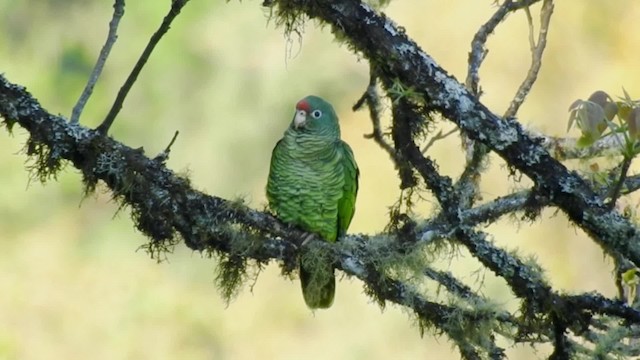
[[112, 36], [478, 51], [537, 49], [166, 208]]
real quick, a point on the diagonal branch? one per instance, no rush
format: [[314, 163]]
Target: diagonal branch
[[615, 192], [478, 51]]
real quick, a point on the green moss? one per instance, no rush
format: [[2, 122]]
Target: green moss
[[398, 91], [43, 163], [314, 256], [158, 250], [234, 269], [400, 212], [371, 291], [406, 266], [609, 343], [318, 262], [230, 276], [8, 122], [287, 15]]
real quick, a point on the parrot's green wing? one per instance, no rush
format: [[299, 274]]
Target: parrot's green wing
[[318, 286], [347, 204], [275, 177]]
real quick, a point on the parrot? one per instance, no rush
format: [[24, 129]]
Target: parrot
[[313, 184]]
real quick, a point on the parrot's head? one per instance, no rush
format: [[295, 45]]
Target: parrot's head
[[315, 116]]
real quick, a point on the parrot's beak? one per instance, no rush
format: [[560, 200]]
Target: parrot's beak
[[300, 120]]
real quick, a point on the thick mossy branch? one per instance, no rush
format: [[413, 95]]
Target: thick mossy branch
[[392, 265], [163, 205], [167, 209]]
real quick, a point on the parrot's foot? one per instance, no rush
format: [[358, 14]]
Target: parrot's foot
[[308, 238]]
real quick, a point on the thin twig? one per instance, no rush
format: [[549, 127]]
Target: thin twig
[[372, 99], [536, 56], [615, 193], [118, 12], [478, 51], [176, 7], [632, 184], [436, 137], [468, 183], [163, 156], [173, 139]]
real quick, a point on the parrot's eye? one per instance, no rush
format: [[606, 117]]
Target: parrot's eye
[[316, 114]]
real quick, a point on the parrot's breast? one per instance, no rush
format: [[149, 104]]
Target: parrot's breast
[[305, 185]]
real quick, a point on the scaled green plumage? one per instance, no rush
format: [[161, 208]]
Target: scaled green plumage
[[313, 183]]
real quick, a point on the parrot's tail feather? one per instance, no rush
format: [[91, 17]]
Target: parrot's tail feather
[[318, 287]]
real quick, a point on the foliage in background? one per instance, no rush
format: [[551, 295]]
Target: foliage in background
[[192, 89]]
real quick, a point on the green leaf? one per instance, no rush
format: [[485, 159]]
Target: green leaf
[[633, 123], [586, 140]]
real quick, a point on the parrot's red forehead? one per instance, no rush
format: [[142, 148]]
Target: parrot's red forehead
[[303, 105]]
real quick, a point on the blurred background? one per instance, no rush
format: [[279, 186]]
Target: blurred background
[[73, 284]]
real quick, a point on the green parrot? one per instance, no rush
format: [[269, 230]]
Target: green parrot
[[313, 183]]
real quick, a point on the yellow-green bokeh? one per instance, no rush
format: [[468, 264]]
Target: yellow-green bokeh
[[73, 285]]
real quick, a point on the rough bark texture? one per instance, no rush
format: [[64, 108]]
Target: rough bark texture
[[168, 210]]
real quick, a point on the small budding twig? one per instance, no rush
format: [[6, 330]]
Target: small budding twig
[[118, 12], [163, 156], [176, 7], [173, 139]]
